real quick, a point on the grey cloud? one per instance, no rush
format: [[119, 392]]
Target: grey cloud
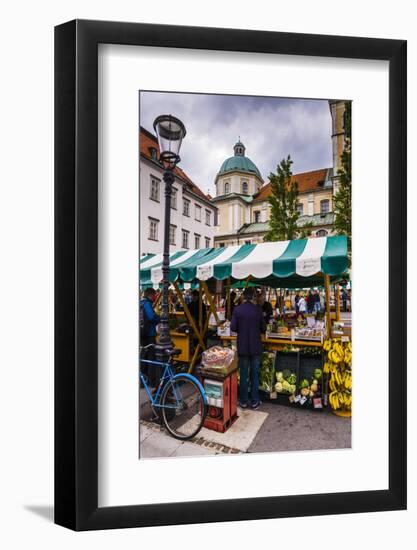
[[270, 128]]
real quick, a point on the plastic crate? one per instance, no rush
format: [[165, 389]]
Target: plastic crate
[[308, 364], [288, 360]]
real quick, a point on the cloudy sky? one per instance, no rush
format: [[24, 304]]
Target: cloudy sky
[[270, 128]]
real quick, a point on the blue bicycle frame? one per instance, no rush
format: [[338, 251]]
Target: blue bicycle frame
[[168, 374]]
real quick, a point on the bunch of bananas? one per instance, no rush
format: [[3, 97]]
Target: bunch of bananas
[[339, 366]]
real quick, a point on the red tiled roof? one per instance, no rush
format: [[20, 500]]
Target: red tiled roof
[[147, 142], [307, 182]]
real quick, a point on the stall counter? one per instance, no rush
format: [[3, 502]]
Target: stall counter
[[276, 344]]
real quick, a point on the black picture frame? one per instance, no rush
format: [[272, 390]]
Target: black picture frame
[[76, 272]]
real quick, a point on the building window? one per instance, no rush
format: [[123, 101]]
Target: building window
[[185, 235], [247, 242], [172, 229], [321, 233], [207, 242], [245, 187], [208, 217], [153, 152], [300, 208], [196, 240], [154, 194], [153, 229], [226, 188], [221, 245], [324, 206], [174, 199], [186, 207], [257, 216], [198, 213]]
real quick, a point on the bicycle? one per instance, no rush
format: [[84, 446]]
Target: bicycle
[[180, 399]]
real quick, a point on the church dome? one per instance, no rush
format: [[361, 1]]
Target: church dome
[[239, 162]]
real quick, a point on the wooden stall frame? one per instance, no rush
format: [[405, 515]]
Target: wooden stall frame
[[328, 318], [200, 330], [188, 314], [337, 292]]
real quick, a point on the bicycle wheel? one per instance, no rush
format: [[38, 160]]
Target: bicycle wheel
[[183, 407]]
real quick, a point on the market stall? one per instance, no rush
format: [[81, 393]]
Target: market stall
[[297, 264]]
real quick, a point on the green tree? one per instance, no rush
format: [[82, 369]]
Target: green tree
[[283, 201], [305, 230], [343, 197]]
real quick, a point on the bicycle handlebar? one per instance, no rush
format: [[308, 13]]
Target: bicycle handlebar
[[171, 353]]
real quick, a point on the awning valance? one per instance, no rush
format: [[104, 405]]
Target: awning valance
[[302, 258]]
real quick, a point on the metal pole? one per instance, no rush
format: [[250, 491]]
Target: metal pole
[[165, 344]]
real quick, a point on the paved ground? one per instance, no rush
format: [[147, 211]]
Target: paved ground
[[291, 429], [154, 443], [282, 429]]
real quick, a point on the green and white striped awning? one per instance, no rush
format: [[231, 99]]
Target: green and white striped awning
[[302, 258], [281, 259], [150, 267]]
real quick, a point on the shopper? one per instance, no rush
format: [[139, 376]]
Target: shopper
[[296, 301], [248, 323], [267, 311], [302, 305], [344, 300], [148, 322], [317, 305], [310, 302]]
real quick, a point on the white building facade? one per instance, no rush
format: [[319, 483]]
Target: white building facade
[[193, 216]]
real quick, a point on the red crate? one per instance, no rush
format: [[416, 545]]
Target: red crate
[[229, 412]]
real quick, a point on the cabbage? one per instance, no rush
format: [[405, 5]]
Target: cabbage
[[292, 379], [318, 373], [280, 377], [304, 383]]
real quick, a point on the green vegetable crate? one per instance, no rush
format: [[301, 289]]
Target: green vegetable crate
[[297, 365]]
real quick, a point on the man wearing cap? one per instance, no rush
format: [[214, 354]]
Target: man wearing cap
[[248, 322]]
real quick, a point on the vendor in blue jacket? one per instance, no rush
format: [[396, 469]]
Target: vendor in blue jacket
[[148, 335], [248, 322]]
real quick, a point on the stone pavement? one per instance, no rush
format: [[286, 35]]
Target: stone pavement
[[294, 429], [155, 443], [277, 428]]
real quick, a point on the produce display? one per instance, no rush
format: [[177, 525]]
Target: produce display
[[309, 333], [310, 389], [286, 382], [267, 372], [290, 326], [338, 366]]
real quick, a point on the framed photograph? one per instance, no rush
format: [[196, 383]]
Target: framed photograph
[[230, 274]]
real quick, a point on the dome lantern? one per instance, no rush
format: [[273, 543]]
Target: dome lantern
[[239, 149]]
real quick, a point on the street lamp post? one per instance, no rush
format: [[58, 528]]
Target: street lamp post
[[170, 132]]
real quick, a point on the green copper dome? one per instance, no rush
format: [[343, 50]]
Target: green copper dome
[[243, 164], [239, 162]]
